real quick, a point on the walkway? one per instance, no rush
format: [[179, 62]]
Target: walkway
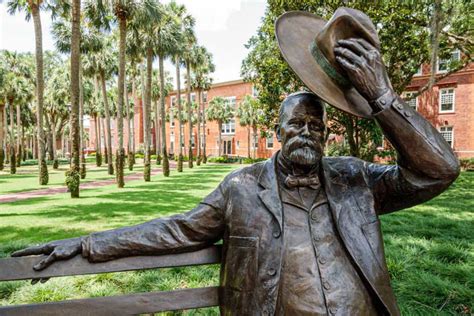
[[12, 197]]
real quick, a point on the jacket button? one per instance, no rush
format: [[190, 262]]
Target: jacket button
[[271, 272], [314, 216], [276, 233], [333, 310], [326, 286], [322, 261]]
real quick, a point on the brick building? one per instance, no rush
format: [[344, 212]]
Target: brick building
[[449, 106]]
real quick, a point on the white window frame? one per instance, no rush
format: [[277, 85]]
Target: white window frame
[[232, 100], [419, 72], [455, 55], [193, 143], [254, 91], [193, 97], [407, 95], [204, 97], [228, 128], [440, 99], [269, 137], [443, 133]]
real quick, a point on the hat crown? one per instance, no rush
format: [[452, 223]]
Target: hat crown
[[344, 24]]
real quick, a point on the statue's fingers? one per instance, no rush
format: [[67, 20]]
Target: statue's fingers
[[45, 262], [348, 55], [345, 63], [30, 251], [365, 44], [354, 46]]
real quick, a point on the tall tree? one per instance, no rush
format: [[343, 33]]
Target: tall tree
[[221, 111], [201, 81], [250, 114], [32, 9]]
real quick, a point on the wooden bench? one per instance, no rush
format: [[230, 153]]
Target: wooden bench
[[21, 269]]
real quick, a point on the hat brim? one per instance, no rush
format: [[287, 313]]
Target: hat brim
[[295, 31]]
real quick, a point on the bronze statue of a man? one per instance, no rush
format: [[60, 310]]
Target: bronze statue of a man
[[301, 234]]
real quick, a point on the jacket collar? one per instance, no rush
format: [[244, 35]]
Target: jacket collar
[[270, 195]]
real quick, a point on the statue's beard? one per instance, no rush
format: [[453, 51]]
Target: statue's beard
[[304, 156], [302, 151]]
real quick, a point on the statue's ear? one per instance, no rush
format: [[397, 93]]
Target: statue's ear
[[277, 132]]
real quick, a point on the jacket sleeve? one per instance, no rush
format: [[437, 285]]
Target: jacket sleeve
[[426, 163], [194, 230]]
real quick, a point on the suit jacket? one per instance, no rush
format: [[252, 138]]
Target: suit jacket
[[246, 212]]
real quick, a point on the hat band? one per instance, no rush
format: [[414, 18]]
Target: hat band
[[327, 67]]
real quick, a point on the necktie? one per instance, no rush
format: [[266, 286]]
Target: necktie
[[301, 181]]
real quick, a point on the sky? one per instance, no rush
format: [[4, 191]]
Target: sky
[[222, 26]]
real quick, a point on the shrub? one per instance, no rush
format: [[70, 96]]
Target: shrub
[[467, 164], [252, 160]]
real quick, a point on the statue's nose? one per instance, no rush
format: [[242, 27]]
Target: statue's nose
[[305, 131]]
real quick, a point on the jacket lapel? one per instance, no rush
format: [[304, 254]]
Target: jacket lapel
[[349, 220], [269, 193]]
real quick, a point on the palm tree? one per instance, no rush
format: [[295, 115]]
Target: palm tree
[[102, 64], [57, 99], [221, 111], [32, 8], [202, 81], [250, 114]]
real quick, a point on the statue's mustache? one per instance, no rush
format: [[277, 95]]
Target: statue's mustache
[[299, 142]]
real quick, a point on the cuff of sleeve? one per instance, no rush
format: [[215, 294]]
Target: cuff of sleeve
[[85, 244], [383, 102]]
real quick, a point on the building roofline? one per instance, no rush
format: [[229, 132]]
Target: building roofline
[[214, 85]]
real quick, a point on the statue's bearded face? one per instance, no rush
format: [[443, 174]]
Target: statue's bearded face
[[302, 129]]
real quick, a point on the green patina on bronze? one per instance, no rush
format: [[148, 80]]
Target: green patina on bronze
[[327, 67]]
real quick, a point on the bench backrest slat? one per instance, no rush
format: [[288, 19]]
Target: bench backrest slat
[[21, 268], [122, 305]]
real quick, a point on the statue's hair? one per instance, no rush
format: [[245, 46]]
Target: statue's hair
[[297, 94]]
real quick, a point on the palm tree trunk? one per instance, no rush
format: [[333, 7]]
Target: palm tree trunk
[[190, 121], [2, 136], [129, 129], [198, 160], [220, 137], [157, 133], [73, 175], [248, 139], [98, 156], [147, 108], [107, 121], [18, 135], [178, 84], [53, 132], [43, 169], [166, 166], [120, 155], [104, 129], [204, 155], [254, 145], [81, 123], [12, 142]]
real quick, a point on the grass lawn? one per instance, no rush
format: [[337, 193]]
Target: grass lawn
[[429, 247]]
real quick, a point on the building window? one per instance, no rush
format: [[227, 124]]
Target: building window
[[237, 145], [172, 142], [232, 101], [228, 128], [193, 143], [204, 97], [193, 97], [269, 141], [227, 147], [447, 133], [419, 72], [410, 100], [446, 100], [172, 104], [443, 64], [254, 92], [254, 142]]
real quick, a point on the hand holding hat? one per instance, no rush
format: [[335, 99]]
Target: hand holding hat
[[346, 73], [364, 67]]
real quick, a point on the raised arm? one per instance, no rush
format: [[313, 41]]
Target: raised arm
[[426, 162], [196, 229]]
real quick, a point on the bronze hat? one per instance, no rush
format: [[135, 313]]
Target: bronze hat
[[307, 43]]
